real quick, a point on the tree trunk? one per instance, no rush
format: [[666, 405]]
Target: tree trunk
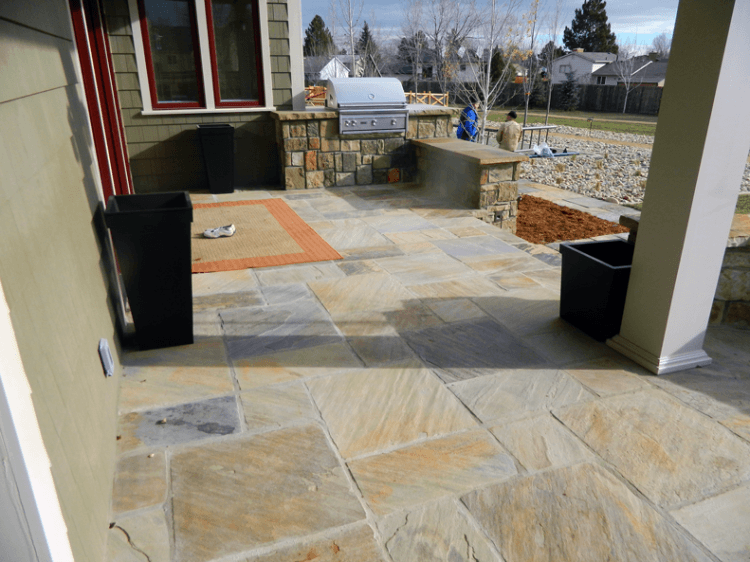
[[549, 100]]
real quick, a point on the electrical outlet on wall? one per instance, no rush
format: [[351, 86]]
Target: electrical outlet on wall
[[106, 357]]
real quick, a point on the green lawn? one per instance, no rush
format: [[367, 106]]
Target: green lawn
[[614, 122], [742, 208]]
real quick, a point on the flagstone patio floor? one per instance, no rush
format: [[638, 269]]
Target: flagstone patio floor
[[421, 400]]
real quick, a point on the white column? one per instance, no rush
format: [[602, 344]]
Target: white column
[[701, 146]]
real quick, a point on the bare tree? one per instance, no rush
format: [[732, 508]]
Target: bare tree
[[628, 67], [531, 61], [495, 40], [551, 51], [346, 14], [444, 20], [414, 42], [661, 45]]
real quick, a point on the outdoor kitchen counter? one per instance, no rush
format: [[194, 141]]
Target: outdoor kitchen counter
[[313, 154], [472, 175], [327, 113]]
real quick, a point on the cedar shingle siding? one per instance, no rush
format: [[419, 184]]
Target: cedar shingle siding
[[164, 150]]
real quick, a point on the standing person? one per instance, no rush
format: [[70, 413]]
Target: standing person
[[509, 133], [467, 123]]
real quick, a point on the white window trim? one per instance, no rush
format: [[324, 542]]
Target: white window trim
[[208, 87]]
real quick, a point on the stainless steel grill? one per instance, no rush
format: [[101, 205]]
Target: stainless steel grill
[[368, 105]]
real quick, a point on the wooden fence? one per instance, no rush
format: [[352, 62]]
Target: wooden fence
[[427, 98], [316, 96]]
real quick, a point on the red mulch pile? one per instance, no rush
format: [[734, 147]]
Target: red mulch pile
[[542, 222]]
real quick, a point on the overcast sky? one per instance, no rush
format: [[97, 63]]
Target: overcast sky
[[631, 20]]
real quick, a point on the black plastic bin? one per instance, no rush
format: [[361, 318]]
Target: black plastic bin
[[151, 236], [217, 142], [594, 285]]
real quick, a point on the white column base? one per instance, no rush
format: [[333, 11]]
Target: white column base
[[659, 365]]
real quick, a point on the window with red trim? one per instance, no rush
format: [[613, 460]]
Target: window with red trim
[[173, 52]]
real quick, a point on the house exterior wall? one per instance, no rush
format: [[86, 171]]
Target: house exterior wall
[[164, 150], [581, 66], [53, 274]]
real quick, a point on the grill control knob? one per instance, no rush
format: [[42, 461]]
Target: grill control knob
[[393, 121], [374, 122]]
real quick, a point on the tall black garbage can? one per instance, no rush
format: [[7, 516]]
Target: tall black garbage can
[[151, 236], [217, 143], [594, 285]]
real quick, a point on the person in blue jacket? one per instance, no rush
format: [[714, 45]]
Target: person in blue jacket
[[467, 123]]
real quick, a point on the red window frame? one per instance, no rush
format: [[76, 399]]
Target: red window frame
[[200, 81], [155, 103], [214, 64]]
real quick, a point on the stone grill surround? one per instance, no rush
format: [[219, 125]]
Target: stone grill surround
[[313, 154]]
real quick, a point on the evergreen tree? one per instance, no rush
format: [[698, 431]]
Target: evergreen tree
[[550, 52], [539, 93], [368, 50], [497, 66], [411, 49], [590, 30], [318, 39], [569, 97]]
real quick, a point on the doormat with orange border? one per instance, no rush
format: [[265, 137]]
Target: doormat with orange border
[[268, 233]]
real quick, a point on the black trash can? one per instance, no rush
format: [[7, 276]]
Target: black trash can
[[594, 284], [217, 143], [151, 236]]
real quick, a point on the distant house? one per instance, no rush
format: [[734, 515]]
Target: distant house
[[582, 64], [643, 70], [320, 69]]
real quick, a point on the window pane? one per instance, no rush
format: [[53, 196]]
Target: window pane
[[235, 35], [171, 39]]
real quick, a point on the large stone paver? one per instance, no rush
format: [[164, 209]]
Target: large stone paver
[[541, 442], [363, 293], [515, 392], [140, 481], [426, 471], [582, 514], [464, 350], [369, 410], [722, 523], [668, 451], [173, 375], [232, 496], [420, 399], [351, 545], [178, 424], [436, 531], [318, 357], [135, 537]]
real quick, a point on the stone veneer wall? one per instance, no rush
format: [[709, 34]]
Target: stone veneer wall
[[164, 150], [732, 300], [314, 155]]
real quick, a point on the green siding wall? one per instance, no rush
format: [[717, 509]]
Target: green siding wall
[[164, 151], [51, 266]]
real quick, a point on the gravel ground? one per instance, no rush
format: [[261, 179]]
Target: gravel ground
[[612, 172]]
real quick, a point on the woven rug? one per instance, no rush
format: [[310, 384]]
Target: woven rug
[[268, 233]]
